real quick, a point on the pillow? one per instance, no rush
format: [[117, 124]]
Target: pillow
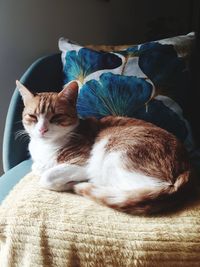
[[148, 81]]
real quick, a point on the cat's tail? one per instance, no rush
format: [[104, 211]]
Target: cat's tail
[[140, 201]]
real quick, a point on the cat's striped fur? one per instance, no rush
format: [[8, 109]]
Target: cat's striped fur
[[125, 163]]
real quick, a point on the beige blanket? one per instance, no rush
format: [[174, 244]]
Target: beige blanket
[[43, 228]]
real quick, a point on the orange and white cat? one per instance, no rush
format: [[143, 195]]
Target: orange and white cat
[[125, 163]]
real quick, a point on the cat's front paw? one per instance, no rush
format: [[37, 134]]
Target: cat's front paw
[[83, 189], [51, 180]]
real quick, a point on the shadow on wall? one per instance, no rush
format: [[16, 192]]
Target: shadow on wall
[[161, 27]]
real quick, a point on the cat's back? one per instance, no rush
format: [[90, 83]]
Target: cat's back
[[138, 136], [147, 146], [129, 128]]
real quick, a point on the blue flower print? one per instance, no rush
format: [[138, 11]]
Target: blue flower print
[[164, 117], [113, 94], [132, 51], [165, 69], [86, 61], [160, 63]]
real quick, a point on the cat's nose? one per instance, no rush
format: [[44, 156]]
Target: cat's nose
[[43, 130]]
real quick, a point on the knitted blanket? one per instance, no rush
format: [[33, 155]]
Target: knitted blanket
[[41, 228]]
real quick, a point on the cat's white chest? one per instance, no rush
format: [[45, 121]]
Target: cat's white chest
[[44, 155]]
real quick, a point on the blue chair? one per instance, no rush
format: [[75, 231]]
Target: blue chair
[[43, 75]]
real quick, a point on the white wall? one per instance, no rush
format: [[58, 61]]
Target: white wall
[[30, 29]]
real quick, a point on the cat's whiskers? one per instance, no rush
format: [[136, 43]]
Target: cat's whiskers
[[22, 135], [73, 134], [20, 121]]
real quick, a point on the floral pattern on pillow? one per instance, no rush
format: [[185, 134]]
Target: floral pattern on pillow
[[79, 64], [147, 81], [113, 94]]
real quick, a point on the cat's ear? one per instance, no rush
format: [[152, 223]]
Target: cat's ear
[[70, 92], [25, 93]]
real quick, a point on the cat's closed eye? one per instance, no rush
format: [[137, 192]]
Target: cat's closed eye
[[57, 118], [32, 117]]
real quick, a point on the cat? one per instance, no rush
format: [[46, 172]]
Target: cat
[[125, 163]]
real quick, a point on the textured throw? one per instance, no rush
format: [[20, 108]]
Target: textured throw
[[49, 229]]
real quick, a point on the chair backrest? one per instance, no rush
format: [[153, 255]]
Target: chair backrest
[[43, 75]]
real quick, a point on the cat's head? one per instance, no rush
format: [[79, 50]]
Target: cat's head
[[49, 116]]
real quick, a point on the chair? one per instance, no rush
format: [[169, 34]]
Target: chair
[[45, 74], [70, 230]]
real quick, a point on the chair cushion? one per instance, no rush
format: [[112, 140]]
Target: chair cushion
[[45, 228], [12, 177]]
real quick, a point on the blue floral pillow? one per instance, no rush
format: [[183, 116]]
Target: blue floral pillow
[[147, 81]]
